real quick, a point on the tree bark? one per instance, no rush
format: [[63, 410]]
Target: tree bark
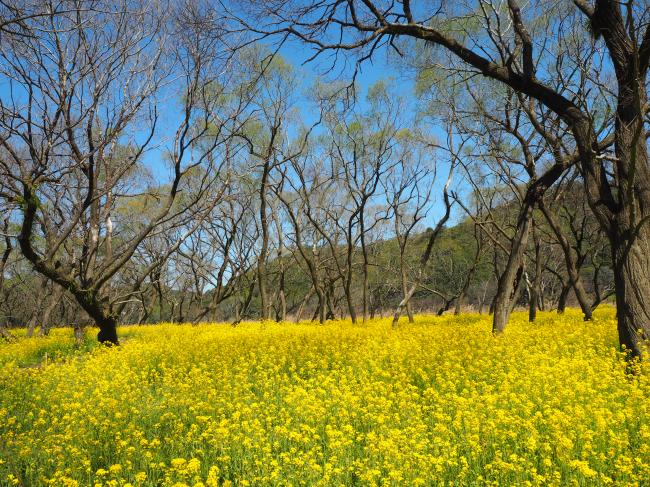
[[107, 329], [481, 302], [366, 263], [347, 288], [519, 284], [564, 295], [630, 230], [506, 286], [534, 291], [409, 310], [281, 315], [446, 305], [532, 303], [328, 301], [492, 304], [261, 261], [632, 275], [55, 299], [459, 303]]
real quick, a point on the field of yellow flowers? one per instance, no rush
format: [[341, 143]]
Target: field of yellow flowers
[[438, 402]]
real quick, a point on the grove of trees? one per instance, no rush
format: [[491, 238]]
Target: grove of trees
[[175, 161]]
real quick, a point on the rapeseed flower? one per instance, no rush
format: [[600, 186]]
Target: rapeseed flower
[[439, 401]]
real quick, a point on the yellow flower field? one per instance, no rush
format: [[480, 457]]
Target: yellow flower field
[[441, 401]]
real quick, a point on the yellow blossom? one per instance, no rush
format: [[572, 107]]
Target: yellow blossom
[[440, 401]]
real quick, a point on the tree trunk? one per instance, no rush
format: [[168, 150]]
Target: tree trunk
[[237, 317], [348, 296], [33, 321], [3, 262], [534, 291], [261, 261], [409, 311], [506, 286], [632, 279], [98, 311], [623, 205], [304, 301], [242, 306], [181, 314], [281, 315], [629, 228], [330, 307], [282, 312], [261, 282], [630, 231], [519, 284], [446, 304], [107, 330], [373, 305], [459, 303], [55, 299], [321, 311], [321, 306], [532, 304], [365, 290], [481, 301], [564, 295], [403, 304], [366, 264]]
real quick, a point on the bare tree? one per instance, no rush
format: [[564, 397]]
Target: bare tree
[[363, 147], [72, 136], [408, 193], [512, 50], [581, 241], [426, 255], [300, 187]]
